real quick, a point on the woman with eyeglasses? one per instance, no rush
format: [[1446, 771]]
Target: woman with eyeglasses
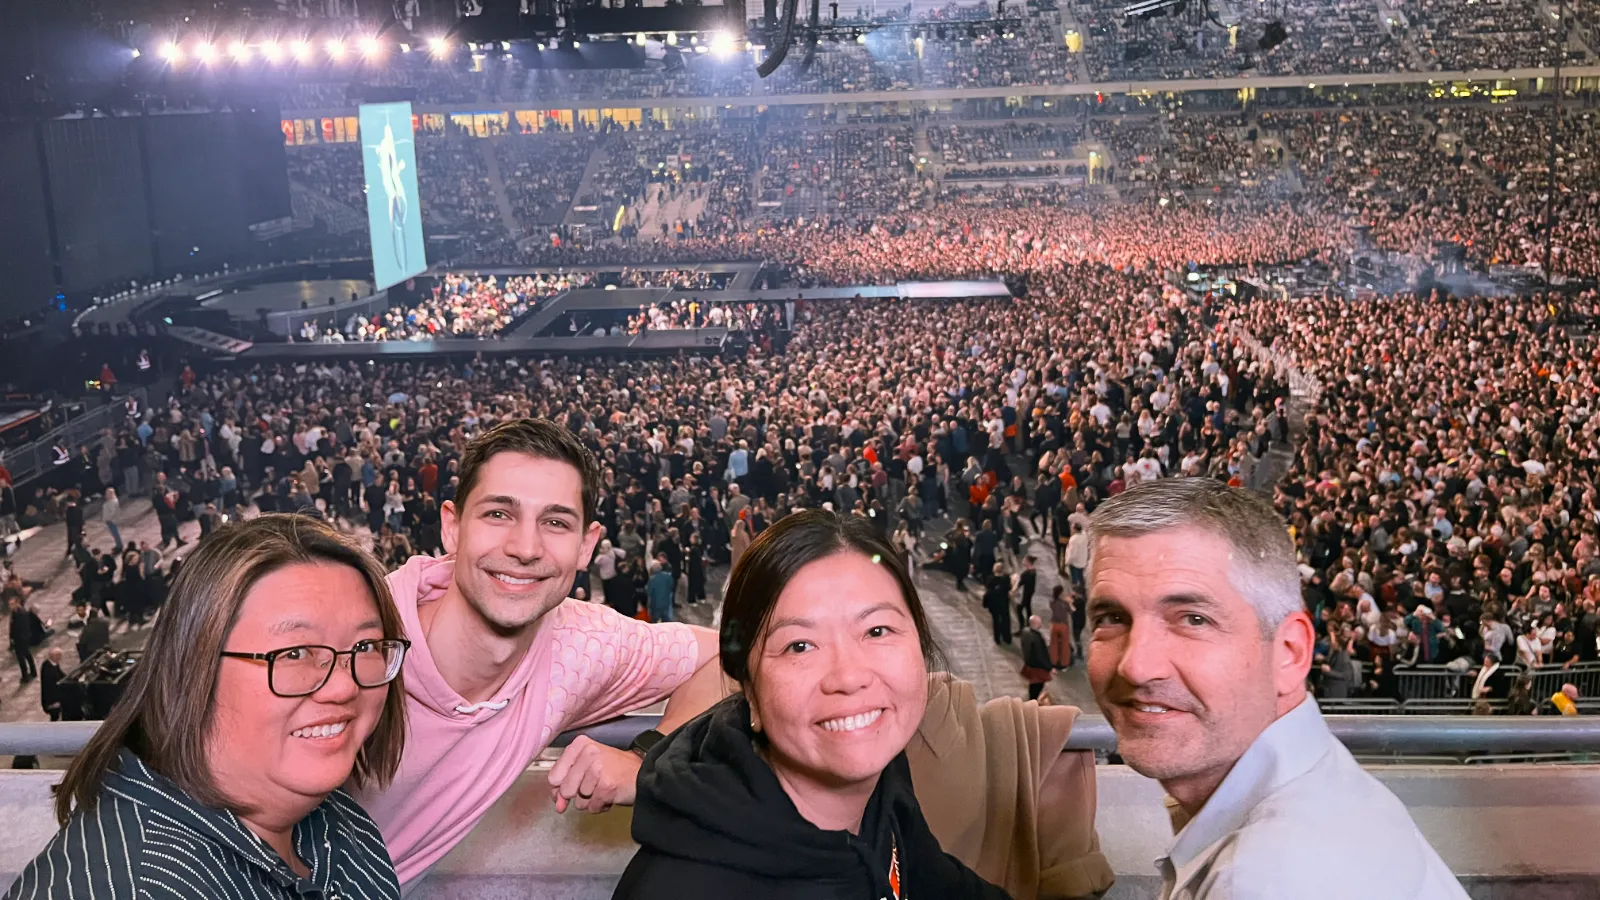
[[271, 679]]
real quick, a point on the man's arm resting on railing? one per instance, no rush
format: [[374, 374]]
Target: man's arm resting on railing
[[593, 777]]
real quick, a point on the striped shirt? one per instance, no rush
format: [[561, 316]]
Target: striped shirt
[[145, 839]]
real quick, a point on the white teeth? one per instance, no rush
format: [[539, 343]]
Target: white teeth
[[319, 731], [1154, 709], [509, 580], [851, 723]]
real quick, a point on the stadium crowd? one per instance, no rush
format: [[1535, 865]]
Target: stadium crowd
[[460, 307], [1444, 494]]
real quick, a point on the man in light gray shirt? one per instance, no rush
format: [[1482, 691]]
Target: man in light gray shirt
[[1200, 645]]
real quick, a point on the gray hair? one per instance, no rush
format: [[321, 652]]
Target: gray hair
[[1264, 570]]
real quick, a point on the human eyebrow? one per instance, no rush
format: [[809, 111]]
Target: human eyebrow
[[499, 500], [560, 509], [878, 608], [790, 622], [1100, 603], [1192, 600], [287, 625]]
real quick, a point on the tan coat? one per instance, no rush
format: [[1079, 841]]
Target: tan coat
[[1034, 835]]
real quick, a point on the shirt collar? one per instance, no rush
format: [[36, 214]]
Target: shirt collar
[[313, 836], [1287, 749]]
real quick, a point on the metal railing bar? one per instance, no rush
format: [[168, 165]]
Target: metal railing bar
[[1520, 735]]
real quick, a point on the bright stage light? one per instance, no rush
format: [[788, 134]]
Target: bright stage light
[[204, 52], [438, 46], [171, 52], [370, 47], [721, 44], [335, 49], [270, 51], [302, 51], [134, 53], [239, 50]]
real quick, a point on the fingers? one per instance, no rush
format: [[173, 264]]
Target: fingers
[[592, 777], [568, 761], [570, 769], [589, 784]]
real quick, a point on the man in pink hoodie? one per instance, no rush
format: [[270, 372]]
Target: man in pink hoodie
[[502, 661]]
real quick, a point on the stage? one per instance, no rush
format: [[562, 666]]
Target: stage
[[247, 303]]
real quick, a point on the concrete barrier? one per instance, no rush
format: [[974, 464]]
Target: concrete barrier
[[1510, 833]]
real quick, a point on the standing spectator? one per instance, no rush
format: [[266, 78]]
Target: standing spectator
[[133, 592], [96, 634], [110, 509], [694, 564], [1425, 632], [1530, 650], [74, 517], [166, 503], [984, 547], [1077, 556], [50, 676], [660, 589], [739, 541], [1337, 669], [21, 636], [1496, 635], [997, 600], [1060, 630], [958, 554], [1036, 662], [1027, 583]]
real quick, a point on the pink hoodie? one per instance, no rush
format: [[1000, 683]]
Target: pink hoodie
[[587, 664]]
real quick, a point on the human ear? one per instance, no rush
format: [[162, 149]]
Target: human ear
[[1292, 647]]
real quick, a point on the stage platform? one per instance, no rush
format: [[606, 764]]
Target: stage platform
[[590, 299], [703, 340], [247, 303]]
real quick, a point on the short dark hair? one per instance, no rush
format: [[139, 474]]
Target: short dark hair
[[778, 554], [540, 439], [165, 714]]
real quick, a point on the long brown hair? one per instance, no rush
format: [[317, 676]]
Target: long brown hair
[[165, 714]]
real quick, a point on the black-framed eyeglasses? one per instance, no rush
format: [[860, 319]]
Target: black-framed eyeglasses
[[303, 670]]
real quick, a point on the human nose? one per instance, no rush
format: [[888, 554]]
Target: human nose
[[341, 685], [1146, 654], [524, 543], [847, 672]]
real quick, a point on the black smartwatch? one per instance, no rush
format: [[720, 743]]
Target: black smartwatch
[[646, 739]]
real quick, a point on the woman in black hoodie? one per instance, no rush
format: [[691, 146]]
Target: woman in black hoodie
[[798, 787]]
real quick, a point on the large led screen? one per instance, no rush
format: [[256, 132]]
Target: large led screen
[[394, 211]]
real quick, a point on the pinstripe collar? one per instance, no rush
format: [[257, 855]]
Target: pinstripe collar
[[313, 838]]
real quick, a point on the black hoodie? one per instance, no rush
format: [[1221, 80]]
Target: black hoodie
[[713, 822]]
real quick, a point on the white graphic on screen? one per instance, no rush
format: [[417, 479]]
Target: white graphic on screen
[[391, 165]]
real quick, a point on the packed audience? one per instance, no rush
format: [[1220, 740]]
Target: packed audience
[[457, 194], [1488, 34], [1003, 143], [840, 171], [542, 173], [1443, 495], [691, 312], [460, 307], [1322, 38]]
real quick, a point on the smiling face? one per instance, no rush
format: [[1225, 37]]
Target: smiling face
[[839, 683], [272, 753], [1178, 661], [519, 538]]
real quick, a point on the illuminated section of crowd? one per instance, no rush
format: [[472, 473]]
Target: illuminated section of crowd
[[461, 307]]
